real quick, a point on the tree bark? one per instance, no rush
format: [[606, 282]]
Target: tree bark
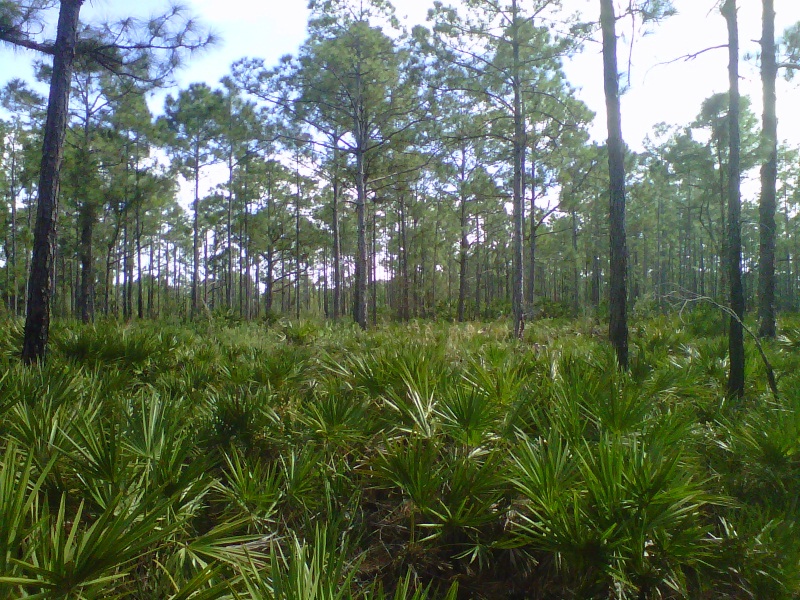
[[373, 261], [196, 233], [360, 292], [618, 326], [576, 278], [297, 236], [138, 242], [40, 285], [464, 243], [337, 244], [13, 257], [517, 301], [736, 333], [228, 229], [405, 302], [769, 175], [86, 220], [530, 283]]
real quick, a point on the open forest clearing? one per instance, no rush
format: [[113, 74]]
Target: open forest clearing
[[392, 308], [299, 460]]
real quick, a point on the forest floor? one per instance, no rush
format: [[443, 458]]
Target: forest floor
[[310, 461]]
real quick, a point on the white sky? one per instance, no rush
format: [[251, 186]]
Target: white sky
[[666, 93]]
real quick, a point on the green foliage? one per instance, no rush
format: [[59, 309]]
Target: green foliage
[[236, 461]]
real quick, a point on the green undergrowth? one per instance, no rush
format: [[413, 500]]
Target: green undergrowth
[[306, 461]]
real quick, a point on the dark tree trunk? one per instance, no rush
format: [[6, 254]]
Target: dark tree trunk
[[724, 246], [360, 292], [325, 305], [337, 244], [268, 283], [736, 333], [530, 282], [139, 279], [463, 250], [769, 175], [86, 219], [13, 257], [517, 301], [228, 229], [246, 247], [373, 261], [154, 263], [129, 274], [297, 238], [40, 284], [196, 234], [405, 302], [618, 326], [576, 278]]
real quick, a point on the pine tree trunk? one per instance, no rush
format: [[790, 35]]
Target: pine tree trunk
[[154, 262], [129, 274], [463, 248], [405, 302], [576, 278], [360, 292], [138, 242], [373, 255], [517, 301], [478, 267], [40, 284], [297, 238], [337, 243], [229, 246], [530, 283], [13, 257], [196, 234], [736, 333], [268, 283], [769, 175], [618, 326], [86, 219]]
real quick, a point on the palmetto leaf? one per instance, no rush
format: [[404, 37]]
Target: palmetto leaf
[[76, 554], [19, 511]]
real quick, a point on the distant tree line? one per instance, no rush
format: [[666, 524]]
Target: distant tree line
[[443, 172]]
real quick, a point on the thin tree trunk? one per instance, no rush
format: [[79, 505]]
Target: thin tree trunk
[[228, 228], [724, 249], [478, 267], [576, 307], [464, 244], [517, 301], [736, 334], [207, 271], [138, 241], [40, 283], [244, 249], [435, 269], [196, 234], [86, 219], [337, 243], [297, 236], [139, 278], [155, 263], [360, 300], [13, 257], [618, 325], [769, 175], [129, 274], [405, 303], [530, 282]]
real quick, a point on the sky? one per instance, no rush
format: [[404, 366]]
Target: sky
[[658, 92]]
